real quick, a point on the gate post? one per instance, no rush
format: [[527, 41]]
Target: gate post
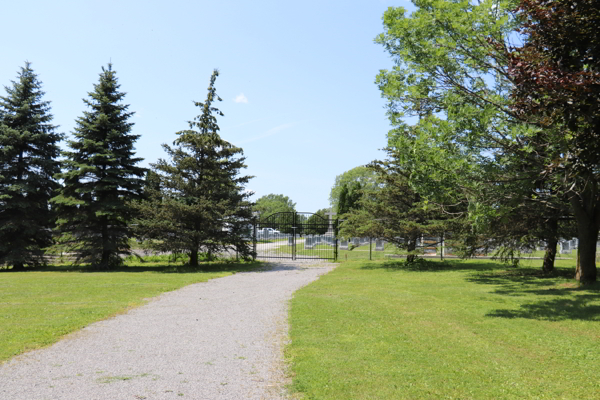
[[335, 247], [294, 232], [254, 239]]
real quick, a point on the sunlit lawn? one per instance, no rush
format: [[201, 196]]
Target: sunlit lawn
[[38, 307], [455, 330]]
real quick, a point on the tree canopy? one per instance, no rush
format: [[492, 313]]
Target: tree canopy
[[556, 74], [361, 174], [101, 178], [197, 199], [28, 162], [472, 144], [273, 203]]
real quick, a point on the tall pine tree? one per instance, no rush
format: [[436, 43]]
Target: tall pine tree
[[201, 204], [28, 161], [100, 178]]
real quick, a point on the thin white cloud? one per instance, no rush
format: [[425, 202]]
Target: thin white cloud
[[240, 98], [268, 133]]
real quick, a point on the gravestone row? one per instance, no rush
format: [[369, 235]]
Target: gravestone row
[[311, 241]]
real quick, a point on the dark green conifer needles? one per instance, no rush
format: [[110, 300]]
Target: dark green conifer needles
[[201, 204], [28, 162], [100, 178]]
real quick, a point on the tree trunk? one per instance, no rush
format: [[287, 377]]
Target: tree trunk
[[587, 215], [551, 243], [105, 260], [194, 258], [411, 247], [586, 267], [550, 255], [18, 267]]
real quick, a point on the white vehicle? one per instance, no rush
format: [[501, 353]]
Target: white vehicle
[[268, 231]]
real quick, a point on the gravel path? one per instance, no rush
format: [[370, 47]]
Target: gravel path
[[220, 339]]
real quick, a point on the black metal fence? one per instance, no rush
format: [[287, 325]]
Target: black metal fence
[[295, 235]]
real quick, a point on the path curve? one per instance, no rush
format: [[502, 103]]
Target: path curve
[[220, 339]]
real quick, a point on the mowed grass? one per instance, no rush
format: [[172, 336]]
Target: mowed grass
[[39, 307], [454, 330]]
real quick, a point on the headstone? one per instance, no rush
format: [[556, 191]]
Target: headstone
[[309, 243], [565, 247], [541, 247], [379, 245], [290, 241], [344, 245], [430, 245], [449, 251], [356, 242], [430, 251]]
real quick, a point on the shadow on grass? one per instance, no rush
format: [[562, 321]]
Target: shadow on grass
[[584, 307], [560, 297], [425, 265], [159, 267], [522, 280], [556, 295]]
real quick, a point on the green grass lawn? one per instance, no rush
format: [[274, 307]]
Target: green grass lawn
[[456, 330], [38, 307]]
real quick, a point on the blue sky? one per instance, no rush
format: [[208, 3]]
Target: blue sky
[[296, 78]]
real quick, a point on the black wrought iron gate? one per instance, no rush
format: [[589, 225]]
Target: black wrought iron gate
[[295, 235]]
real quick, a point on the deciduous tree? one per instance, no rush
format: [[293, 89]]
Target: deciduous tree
[[361, 174], [556, 73], [273, 203], [451, 73]]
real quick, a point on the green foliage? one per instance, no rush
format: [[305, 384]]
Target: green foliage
[[100, 178], [197, 201], [557, 80], [470, 154], [28, 161], [273, 203], [395, 211], [361, 175], [318, 223], [350, 197]]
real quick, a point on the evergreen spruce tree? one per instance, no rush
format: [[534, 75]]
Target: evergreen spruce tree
[[100, 178], [28, 161], [201, 204]]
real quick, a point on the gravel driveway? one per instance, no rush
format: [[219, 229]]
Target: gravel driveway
[[220, 339]]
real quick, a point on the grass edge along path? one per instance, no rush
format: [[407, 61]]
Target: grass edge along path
[[472, 329], [39, 307]]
